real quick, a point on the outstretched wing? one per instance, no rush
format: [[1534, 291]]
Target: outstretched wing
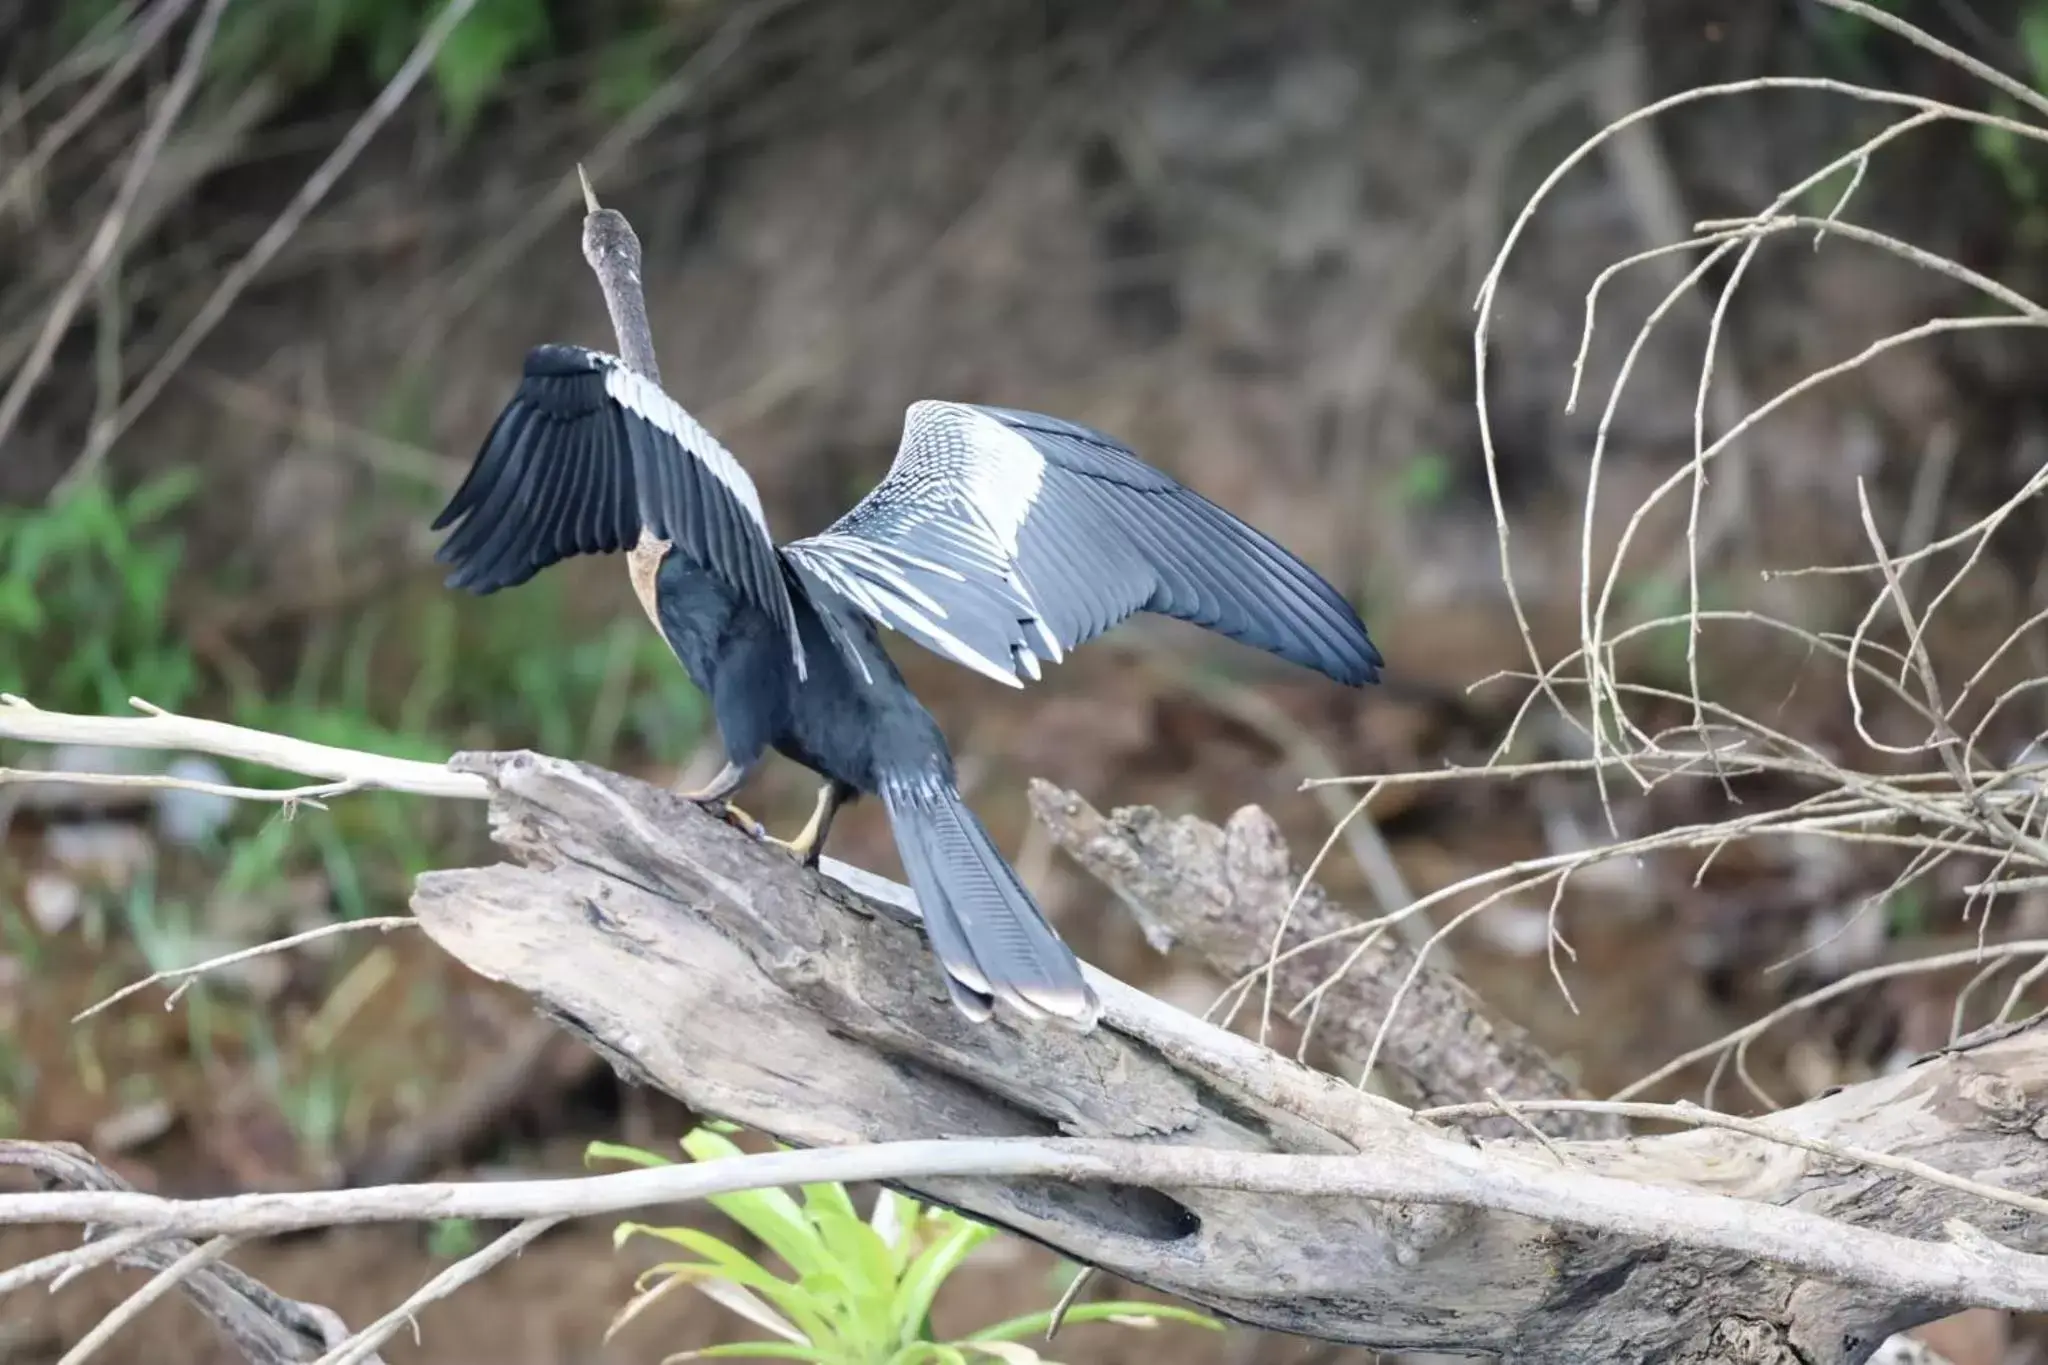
[[585, 457], [1002, 539]]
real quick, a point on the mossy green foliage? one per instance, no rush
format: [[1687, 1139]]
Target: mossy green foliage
[[85, 589], [92, 590]]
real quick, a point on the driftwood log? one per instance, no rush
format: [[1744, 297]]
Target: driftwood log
[[712, 968]]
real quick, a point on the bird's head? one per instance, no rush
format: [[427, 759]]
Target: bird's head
[[609, 243]]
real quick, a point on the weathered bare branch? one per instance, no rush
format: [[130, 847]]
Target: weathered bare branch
[[266, 1327], [710, 967], [1223, 892]]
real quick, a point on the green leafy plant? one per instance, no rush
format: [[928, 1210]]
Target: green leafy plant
[[859, 1290], [97, 567]]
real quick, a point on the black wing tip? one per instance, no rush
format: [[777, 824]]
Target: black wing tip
[[1334, 641], [1362, 667], [1366, 664], [1346, 666], [471, 573], [464, 579]]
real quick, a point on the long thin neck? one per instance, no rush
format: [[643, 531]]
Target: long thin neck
[[618, 275], [628, 306]]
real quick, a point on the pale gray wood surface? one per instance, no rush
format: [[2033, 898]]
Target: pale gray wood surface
[[714, 969]]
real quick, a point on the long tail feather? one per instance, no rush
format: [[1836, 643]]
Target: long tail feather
[[986, 931]]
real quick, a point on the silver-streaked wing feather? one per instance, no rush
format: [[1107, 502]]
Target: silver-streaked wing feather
[[583, 458], [1001, 539], [931, 551]]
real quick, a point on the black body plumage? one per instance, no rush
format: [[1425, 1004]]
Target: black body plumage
[[1000, 539]]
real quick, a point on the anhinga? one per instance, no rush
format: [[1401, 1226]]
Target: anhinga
[[998, 538]]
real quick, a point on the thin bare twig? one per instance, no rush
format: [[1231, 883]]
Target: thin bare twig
[[288, 797], [471, 1267], [160, 729], [1742, 1037], [138, 46], [107, 238], [1435, 1172], [92, 1254], [1695, 1116], [383, 923], [355, 768], [273, 239], [160, 1284]]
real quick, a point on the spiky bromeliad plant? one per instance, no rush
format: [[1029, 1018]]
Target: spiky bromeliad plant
[[859, 1291]]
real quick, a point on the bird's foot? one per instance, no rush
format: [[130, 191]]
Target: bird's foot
[[809, 844], [725, 810], [805, 851], [740, 820], [712, 797]]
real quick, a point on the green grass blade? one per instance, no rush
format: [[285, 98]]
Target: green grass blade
[[859, 1249], [829, 1195], [811, 1316], [895, 1221], [705, 1143], [771, 1214], [920, 1283], [868, 1273], [614, 1151]]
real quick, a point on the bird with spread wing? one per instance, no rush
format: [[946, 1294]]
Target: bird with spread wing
[[1000, 539]]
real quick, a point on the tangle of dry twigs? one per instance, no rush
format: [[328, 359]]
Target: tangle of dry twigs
[[1930, 788]]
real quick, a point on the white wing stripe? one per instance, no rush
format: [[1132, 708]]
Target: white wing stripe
[[883, 602], [1002, 486], [957, 648], [878, 557], [860, 581], [648, 401], [951, 509]]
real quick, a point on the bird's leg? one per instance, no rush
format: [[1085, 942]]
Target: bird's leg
[[809, 845], [729, 780], [712, 796]]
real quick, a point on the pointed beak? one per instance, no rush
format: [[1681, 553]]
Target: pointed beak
[[589, 195]]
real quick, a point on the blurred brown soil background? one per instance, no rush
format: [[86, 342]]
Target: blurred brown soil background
[[1243, 236]]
